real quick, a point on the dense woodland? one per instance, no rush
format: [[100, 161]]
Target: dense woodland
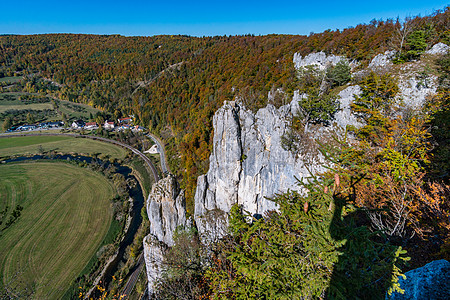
[[387, 189]]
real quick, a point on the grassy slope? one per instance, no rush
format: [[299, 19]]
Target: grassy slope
[[84, 113], [34, 106], [64, 219], [29, 145], [71, 109], [11, 79]]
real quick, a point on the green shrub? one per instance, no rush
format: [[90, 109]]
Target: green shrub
[[339, 74]]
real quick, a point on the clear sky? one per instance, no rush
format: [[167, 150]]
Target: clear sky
[[199, 18]]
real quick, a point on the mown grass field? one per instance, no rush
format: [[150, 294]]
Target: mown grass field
[[66, 214], [34, 106], [32, 145], [12, 79], [76, 110], [11, 102]]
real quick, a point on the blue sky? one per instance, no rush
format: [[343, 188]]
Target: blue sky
[[200, 18]]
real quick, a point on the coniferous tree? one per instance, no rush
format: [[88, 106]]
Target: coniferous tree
[[340, 73]]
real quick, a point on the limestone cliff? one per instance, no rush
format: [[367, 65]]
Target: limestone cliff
[[248, 164], [166, 209]]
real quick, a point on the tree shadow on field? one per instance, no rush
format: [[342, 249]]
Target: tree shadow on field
[[366, 265]]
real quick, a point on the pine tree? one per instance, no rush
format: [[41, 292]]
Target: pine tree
[[416, 44], [340, 73]]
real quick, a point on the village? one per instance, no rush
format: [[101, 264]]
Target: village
[[122, 124]]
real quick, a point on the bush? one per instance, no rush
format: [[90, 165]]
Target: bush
[[340, 73]]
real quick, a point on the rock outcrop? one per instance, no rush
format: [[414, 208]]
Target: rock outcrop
[[320, 60], [439, 48], [248, 163], [166, 209], [431, 281], [382, 61], [345, 116], [153, 256], [413, 91]]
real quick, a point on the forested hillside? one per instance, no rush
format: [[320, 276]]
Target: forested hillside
[[174, 84]]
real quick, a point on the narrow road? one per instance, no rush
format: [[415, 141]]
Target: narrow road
[[162, 154]]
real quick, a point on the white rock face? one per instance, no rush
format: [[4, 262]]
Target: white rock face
[[345, 116], [382, 61], [153, 256], [247, 165], [166, 209], [439, 48], [413, 92], [319, 59]]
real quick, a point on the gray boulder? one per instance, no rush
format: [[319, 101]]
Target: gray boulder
[[439, 48], [430, 282]]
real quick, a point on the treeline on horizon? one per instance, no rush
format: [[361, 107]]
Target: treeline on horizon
[[174, 84]]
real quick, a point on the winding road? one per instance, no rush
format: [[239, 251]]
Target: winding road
[[161, 152], [147, 161]]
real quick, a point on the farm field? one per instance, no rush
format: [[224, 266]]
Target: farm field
[[32, 145], [18, 104], [66, 213], [76, 110], [36, 106], [12, 79]]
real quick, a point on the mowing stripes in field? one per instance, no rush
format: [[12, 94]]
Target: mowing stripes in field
[[66, 214], [63, 144]]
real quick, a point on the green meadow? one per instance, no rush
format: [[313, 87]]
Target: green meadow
[[65, 213]]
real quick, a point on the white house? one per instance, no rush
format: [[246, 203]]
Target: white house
[[109, 125], [78, 124], [91, 125]]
